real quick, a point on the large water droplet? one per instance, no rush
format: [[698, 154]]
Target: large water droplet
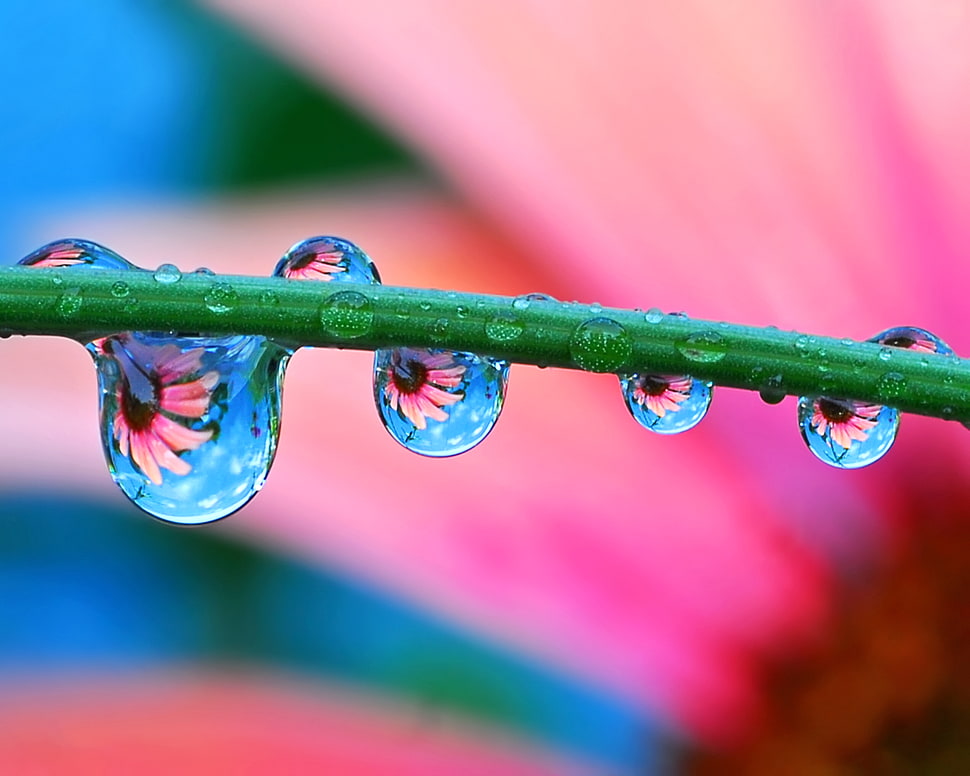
[[327, 258], [347, 314], [75, 253], [912, 338], [666, 404], [167, 274], [438, 402], [845, 433], [600, 345], [189, 425], [503, 327], [705, 347]]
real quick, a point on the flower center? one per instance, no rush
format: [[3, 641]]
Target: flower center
[[835, 411], [900, 342], [652, 385], [139, 390], [409, 375]]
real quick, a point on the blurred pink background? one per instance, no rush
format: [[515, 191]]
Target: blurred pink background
[[772, 163]]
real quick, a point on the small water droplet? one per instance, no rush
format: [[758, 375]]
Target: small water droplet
[[440, 327], [269, 298], [168, 273], [523, 302], [120, 289], [844, 433], [773, 392], [438, 402], [801, 342], [503, 327], [666, 404], [847, 342], [347, 314], [203, 271], [911, 338], [600, 345], [463, 311], [891, 385], [221, 298], [885, 354], [69, 302], [131, 304], [327, 258], [425, 306], [703, 346], [596, 308], [653, 315], [189, 425]]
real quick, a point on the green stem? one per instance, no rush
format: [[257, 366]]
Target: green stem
[[89, 304]]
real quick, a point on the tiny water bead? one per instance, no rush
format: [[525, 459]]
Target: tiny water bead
[[327, 258], [845, 433], [666, 404], [504, 326], [438, 402], [706, 347], [167, 273], [347, 314], [600, 345], [69, 302], [189, 425]]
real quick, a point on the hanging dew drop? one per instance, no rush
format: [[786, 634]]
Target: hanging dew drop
[[347, 314], [438, 402], [600, 345], [706, 347], [666, 404], [167, 274], [189, 425], [844, 433]]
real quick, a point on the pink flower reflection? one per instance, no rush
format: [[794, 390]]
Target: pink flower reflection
[[152, 385], [317, 261], [418, 381], [844, 421], [662, 394]]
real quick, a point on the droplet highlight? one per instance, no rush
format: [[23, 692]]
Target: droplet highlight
[[600, 345], [438, 402], [189, 425], [844, 433], [666, 404]]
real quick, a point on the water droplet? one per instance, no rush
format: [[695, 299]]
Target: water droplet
[[891, 385], [168, 273], [503, 327], [703, 346], [845, 433], [885, 354], [911, 338], [438, 402], [596, 308], [221, 298], [440, 327], [462, 311], [772, 391], [653, 315], [523, 302], [269, 298], [327, 258], [189, 425], [425, 306], [69, 254], [69, 303], [801, 342], [120, 289], [203, 271], [347, 314], [600, 345], [666, 404]]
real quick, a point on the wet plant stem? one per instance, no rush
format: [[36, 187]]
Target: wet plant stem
[[91, 304]]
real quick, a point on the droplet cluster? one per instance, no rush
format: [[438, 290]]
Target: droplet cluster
[[190, 424]]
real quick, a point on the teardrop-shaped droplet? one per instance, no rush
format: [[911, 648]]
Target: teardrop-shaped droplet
[[846, 433], [438, 402], [912, 338], [666, 404], [75, 253], [327, 258], [189, 425]]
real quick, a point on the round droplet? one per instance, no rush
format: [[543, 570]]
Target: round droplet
[[463, 311], [772, 392], [653, 315], [425, 306], [525, 301], [503, 327], [69, 302], [891, 385], [600, 345], [885, 354], [347, 314], [189, 425], [912, 338], [221, 298], [203, 271], [596, 308], [440, 328], [704, 347], [666, 404], [167, 274], [63, 254], [438, 402], [844, 433], [327, 258], [269, 298], [120, 289]]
